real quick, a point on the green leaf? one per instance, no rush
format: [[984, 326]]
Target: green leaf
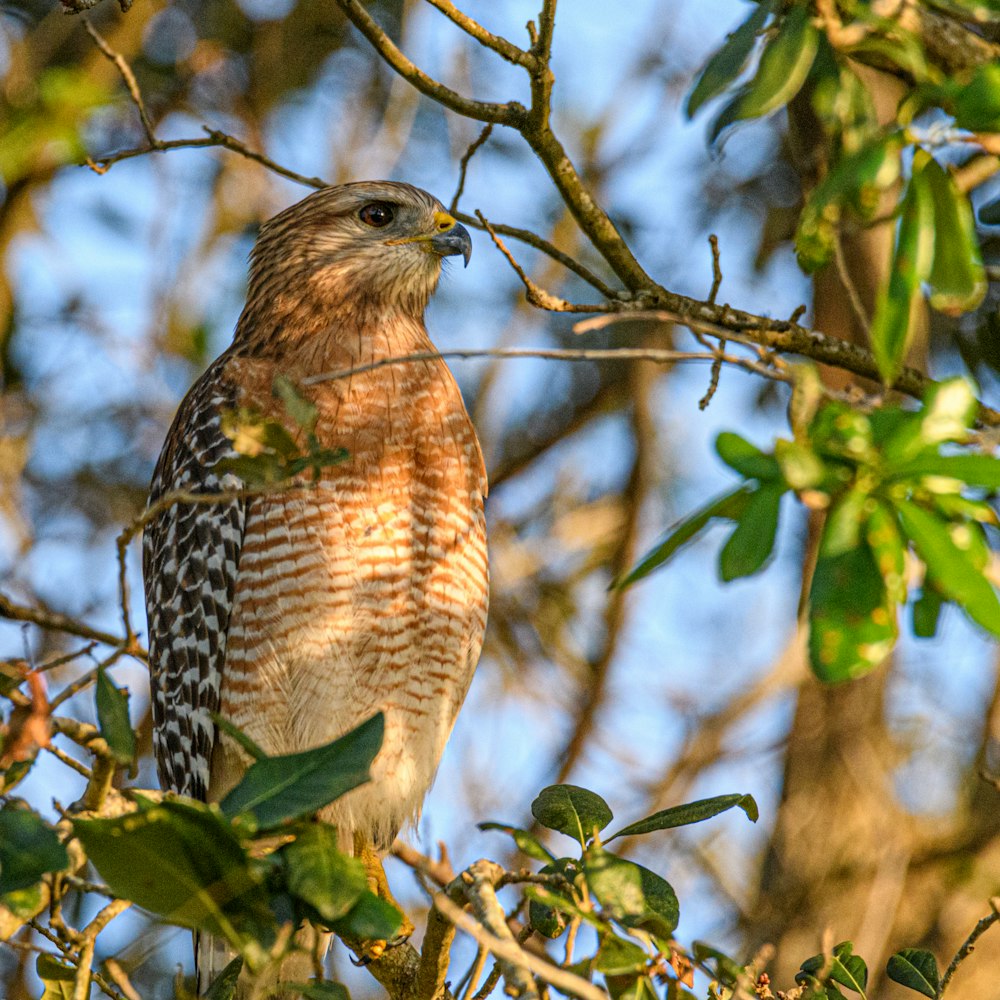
[[727, 970], [746, 458], [843, 522], [57, 978], [113, 719], [618, 957], [852, 625], [915, 969], [572, 810], [801, 467], [926, 612], [844, 967], [888, 548], [548, 908], [223, 987], [957, 278], [298, 406], [951, 568], [239, 737], [330, 882], [370, 919], [913, 256], [750, 545], [29, 849], [631, 895], [286, 787], [972, 469], [181, 859], [527, 843], [784, 66], [856, 180], [728, 62], [319, 989], [692, 812], [731, 506], [631, 987], [977, 103]]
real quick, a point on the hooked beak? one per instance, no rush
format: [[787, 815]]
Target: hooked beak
[[452, 242]]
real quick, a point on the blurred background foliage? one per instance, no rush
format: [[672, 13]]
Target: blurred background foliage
[[117, 288]]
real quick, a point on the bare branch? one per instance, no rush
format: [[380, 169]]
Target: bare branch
[[512, 113], [497, 43], [463, 165], [58, 622], [969, 944], [127, 75], [527, 236]]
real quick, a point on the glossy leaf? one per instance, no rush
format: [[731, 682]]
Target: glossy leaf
[[852, 624], [330, 882], [784, 66], [913, 255], [113, 719], [731, 507], [632, 895], [692, 812], [526, 842], [183, 861], [950, 567], [572, 810], [916, 969], [843, 967], [286, 787], [957, 278], [29, 849], [751, 543], [728, 62]]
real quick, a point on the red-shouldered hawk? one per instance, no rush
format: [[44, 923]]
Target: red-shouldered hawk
[[299, 614]]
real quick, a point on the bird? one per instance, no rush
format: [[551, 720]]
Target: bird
[[298, 614]]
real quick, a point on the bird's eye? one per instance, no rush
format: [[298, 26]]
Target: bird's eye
[[377, 214]]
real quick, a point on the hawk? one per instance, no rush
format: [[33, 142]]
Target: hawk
[[297, 615]]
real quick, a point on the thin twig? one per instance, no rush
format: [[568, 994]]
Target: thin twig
[[463, 165], [58, 622], [564, 981], [857, 306], [491, 983], [969, 944], [716, 372], [503, 48], [533, 240], [127, 75]]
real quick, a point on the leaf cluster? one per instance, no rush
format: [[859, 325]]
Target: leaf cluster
[[894, 489]]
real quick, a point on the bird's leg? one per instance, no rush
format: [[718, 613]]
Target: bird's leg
[[365, 851]]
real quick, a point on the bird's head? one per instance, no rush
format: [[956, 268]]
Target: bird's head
[[377, 241]]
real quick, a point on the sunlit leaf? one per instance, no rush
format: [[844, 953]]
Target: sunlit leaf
[[299, 407], [285, 787], [889, 549], [843, 523], [852, 624], [57, 978], [617, 956], [957, 278], [950, 567], [632, 895], [572, 810], [843, 967], [977, 102], [784, 66], [899, 298], [728, 62], [692, 812]]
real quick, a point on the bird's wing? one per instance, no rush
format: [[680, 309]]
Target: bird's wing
[[191, 555]]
